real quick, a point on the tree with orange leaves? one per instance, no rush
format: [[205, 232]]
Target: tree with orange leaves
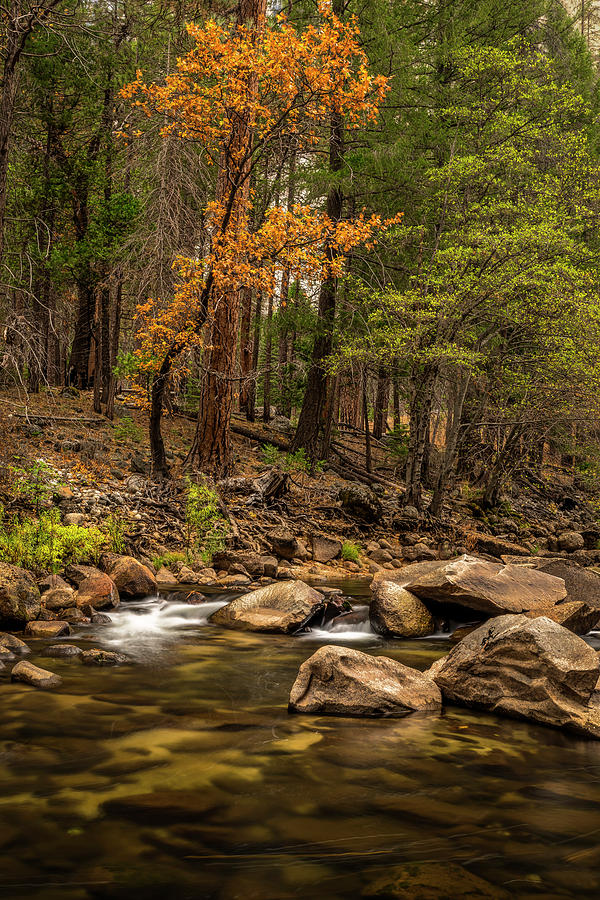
[[241, 90]]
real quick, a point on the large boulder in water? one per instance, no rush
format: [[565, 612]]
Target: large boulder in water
[[397, 612], [339, 681], [283, 607], [492, 588], [19, 595], [527, 668], [131, 577], [574, 615]]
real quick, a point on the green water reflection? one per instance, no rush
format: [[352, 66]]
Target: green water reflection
[[186, 777]]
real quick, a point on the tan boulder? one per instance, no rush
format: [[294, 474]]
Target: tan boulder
[[12, 643], [340, 681], [395, 611], [27, 673], [131, 577], [42, 629], [58, 598], [281, 607], [527, 668], [575, 615], [325, 549], [492, 588], [98, 591]]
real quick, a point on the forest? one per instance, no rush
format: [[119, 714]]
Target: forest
[[300, 449]]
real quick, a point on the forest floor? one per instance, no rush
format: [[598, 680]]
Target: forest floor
[[99, 468]]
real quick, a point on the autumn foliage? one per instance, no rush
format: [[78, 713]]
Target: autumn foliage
[[271, 85]]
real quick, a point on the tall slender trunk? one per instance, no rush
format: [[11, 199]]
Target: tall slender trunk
[[382, 400], [447, 466], [251, 415], [422, 391], [365, 409], [268, 361], [211, 449], [245, 348]]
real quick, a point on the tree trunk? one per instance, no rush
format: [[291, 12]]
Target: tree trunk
[[245, 348], [365, 407], [382, 401], [211, 449], [268, 362], [422, 391], [447, 466], [251, 414]]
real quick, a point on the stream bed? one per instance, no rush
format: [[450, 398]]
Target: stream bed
[[184, 776]]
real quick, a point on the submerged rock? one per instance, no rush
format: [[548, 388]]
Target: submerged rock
[[27, 673], [163, 807], [19, 595], [339, 681], [282, 607], [395, 611], [100, 619], [13, 643], [488, 587], [51, 629], [97, 657], [528, 668], [432, 881], [62, 651]]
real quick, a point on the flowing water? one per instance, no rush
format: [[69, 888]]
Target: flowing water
[[183, 776]]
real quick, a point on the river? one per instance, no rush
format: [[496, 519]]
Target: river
[[183, 776]]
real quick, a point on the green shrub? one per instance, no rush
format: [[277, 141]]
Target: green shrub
[[351, 552], [116, 531], [42, 544], [168, 559], [206, 526]]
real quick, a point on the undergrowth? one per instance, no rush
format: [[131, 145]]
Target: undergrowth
[[42, 544]]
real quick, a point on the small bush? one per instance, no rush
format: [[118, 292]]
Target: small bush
[[206, 525], [44, 545], [350, 552], [168, 559], [116, 532]]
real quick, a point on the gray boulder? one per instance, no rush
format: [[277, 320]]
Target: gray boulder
[[325, 549], [527, 668], [339, 681], [488, 587], [282, 607]]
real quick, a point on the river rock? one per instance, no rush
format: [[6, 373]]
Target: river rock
[[100, 619], [527, 668], [97, 657], [51, 581], [581, 584], [395, 611], [99, 591], [42, 629], [58, 597], [361, 503], [281, 607], [29, 674], [13, 643], [488, 587], [574, 615], [325, 549], [76, 573], [339, 681], [62, 651], [251, 562], [19, 595], [131, 577]]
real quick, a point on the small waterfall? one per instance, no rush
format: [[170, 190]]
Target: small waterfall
[[352, 628]]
